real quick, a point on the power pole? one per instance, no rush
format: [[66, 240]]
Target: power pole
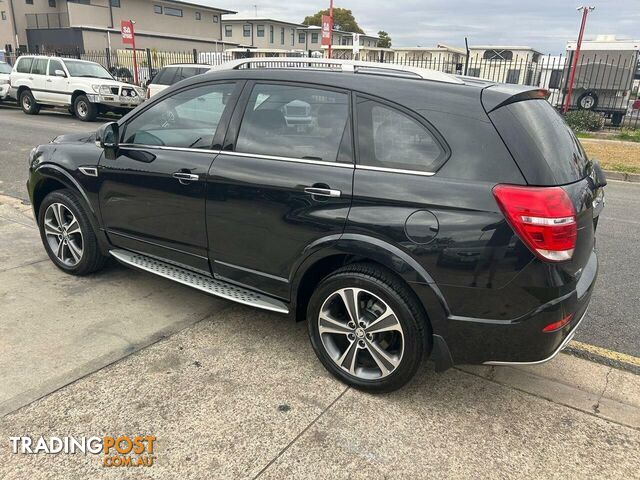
[[576, 55]]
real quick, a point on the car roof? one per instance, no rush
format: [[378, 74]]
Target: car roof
[[194, 65]]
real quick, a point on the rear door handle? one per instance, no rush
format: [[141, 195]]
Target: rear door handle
[[323, 192], [186, 177]]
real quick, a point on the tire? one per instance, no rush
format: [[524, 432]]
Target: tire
[[28, 103], [65, 204], [84, 109], [616, 119], [405, 342], [587, 101]]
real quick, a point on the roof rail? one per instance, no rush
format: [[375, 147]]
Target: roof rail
[[335, 65]]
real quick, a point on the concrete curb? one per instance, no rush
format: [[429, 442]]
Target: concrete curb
[[622, 176]]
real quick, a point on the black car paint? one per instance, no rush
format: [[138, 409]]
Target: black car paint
[[486, 295]]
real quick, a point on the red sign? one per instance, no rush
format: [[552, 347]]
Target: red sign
[[327, 28], [126, 28]]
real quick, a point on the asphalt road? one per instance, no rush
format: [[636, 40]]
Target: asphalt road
[[613, 321]]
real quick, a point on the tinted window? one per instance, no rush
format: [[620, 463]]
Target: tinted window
[[54, 65], [296, 122], [24, 65], [165, 76], [39, 66], [538, 136], [186, 72], [186, 119], [389, 138]]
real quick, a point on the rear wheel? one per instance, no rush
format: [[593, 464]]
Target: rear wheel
[[84, 109], [367, 329], [587, 101], [67, 234], [28, 103]]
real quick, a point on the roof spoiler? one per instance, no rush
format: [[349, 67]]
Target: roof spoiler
[[501, 94]]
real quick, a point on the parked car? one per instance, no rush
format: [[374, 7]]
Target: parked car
[[5, 72], [397, 224], [85, 88], [171, 74]]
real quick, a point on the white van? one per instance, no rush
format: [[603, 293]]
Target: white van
[[85, 88], [171, 74]]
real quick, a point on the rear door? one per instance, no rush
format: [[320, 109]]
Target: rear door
[[38, 78], [279, 188]]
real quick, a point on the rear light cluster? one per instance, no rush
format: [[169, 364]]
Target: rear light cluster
[[543, 217], [552, 327]]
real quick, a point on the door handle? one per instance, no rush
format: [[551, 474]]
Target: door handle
[[186, 177], [322, 192], [49, 80]]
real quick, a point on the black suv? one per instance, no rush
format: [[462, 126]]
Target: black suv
[[401, 212]]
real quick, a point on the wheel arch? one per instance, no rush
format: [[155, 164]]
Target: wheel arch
[[76, 93], [49, 178]]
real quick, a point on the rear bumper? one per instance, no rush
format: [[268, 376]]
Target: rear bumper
[[4, 91], [520, 340]]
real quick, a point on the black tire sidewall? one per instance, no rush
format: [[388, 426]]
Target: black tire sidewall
[[89, 244], [414, 342], [92, 110], [34, 105], [585, 95]]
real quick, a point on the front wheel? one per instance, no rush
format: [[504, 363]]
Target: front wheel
[[84, 109], [367, 328], [67, 234]]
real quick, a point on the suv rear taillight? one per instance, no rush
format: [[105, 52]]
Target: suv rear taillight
[[543, 217]]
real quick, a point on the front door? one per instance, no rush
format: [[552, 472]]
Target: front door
[[285, 185], [152, 196], [56, 87]]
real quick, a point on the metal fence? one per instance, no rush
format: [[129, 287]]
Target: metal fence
[[606, 84]]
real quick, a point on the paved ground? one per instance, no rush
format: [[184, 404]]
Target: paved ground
[[613, 319], [235, 392]]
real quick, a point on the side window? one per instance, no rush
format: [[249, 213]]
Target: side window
[[186, 72], [297, 122], [24, 65], [165, 76], [53, 66], [39, 66], [388, 138], [186, 119]]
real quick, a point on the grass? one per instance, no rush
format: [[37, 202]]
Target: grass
[[625, 134], [617, 156]]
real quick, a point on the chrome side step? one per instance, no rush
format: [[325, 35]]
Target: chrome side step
[[209, 285]]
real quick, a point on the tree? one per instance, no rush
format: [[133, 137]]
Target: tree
[[384, 40], [342, 20]]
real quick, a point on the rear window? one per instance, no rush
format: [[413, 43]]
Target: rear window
[[544, 147], [24, 65], [165, 76]]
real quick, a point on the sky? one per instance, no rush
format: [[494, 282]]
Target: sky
[[545, 25]]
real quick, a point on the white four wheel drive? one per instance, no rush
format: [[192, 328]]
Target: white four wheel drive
[[84, 87]]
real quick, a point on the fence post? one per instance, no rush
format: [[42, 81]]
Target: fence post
[[78, 53], [149, 65], [108, 57], [195, 56]]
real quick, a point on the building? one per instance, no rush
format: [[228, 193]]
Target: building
[[265, 35], [504, 63], [174, 25], [441, 57]]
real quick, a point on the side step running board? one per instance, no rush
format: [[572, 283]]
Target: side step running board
[[210, 285]]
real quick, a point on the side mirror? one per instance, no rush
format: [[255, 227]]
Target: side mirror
[[60, 73], [107, 138]]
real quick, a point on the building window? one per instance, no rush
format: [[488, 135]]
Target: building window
[[228, 31], [173, 12], [52, 3], [29, 2], [215, 19], [3, 14], [293, 37], [114, 3], [157, 9], [270, 33], [314, 37], [513, 76], [282, 35], [301, 37], [198, 16], [498, 55], [260, 30], [246, 30]]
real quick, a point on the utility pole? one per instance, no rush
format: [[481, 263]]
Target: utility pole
[[330, 26], [576, 55]]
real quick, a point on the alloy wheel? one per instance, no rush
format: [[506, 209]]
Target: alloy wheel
[[26, 102], [82, 109], [63, 234], [361, 333]]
